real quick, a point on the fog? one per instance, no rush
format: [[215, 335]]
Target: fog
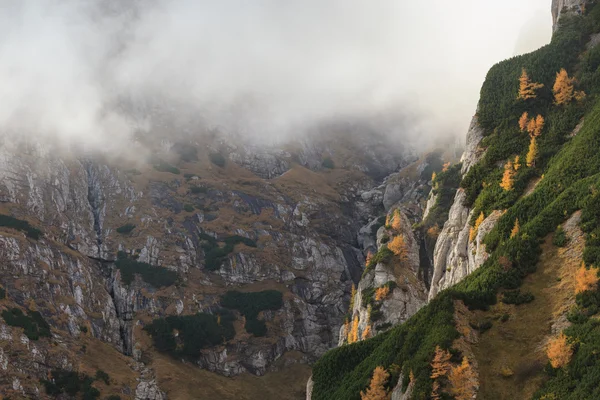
[[268, 69]]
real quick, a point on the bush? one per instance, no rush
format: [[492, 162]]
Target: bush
[[33, 323], [102, 376], [560, 239], [20, 225], [2, 293], [251, 304], [198, 189], [188, 208], [217, 159], [516, 297], [127, 228], [156, 276], [328, 163], [195, 333], [163, 166], [214, 255], [70, 383]]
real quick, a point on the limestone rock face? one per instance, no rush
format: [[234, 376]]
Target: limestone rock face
[[560, 7]]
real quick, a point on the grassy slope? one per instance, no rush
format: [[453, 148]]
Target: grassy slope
[[571, 178]]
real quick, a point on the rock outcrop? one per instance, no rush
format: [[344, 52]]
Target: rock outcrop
[[562, 7]]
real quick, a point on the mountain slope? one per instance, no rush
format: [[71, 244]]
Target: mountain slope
[[569, 168]]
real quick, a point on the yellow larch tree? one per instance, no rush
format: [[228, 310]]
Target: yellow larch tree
[[523, 121], [462, 381], [352, 297], [369, 258], [353, 334], [376, 389], [382, 292], [508, 178], [527, 88], [539, 126], [434, 231], [347, 328], [433, 176], [559, 351], [474, 228], [397, 220], [398, 247], [515, 230], [586, 279], [440, 366], [517, 163], [532, 153], [563, 88], [366, 333], [446, 167]]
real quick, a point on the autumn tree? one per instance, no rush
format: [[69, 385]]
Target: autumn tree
[[523, 121], [352, 297], [527, 88], [517, 163], [446, 167], [396, 220], [433, 176], [462, 381], [382, 292], [515, 229], [434, 231], [353, 334], [508, 177], [440, 366], [376, 389], [532, 153], [369, 258], [366, 333], [475, 228], [398, 247], [586, 279], [559, 351], [564, 89]]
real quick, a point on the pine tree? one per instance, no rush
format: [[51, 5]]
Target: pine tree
[[559, 351], [527, 88], [475, 228], [462, 381], [508, 177], [523, 121], [515, 229], [376, 390], [533, 153], [586, 279]]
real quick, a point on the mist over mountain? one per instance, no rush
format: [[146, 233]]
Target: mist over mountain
[[94, 72]]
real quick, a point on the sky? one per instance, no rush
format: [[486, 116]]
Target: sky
[[265, 68]]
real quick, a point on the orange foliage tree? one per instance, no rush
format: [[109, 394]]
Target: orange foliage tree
[[462, 381], [515, 229], [382, 292], [559, 351], [396, 220], [366, 333], [473, 231], [440, 367], [564, 89], [353, 334], [445, 167], [398, 247], [517, 163], [352, 296], [523, 121], [508, 177], [527, 88], [376, 390], [434, 231], [586, 279], [532, 153]]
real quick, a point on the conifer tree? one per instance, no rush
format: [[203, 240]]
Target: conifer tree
[[366, 333], [533, 153], [398, 247], [586, 279], [353, 334], [396, 220], [523, 121], [475, 228], [527, 88], [382, 292], [515, 230], [376, 390], [508, 177], [559, 351], [352, 296], [517, 163], [462, 381], [564, 89]]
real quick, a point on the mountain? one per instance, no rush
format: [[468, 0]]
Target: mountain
[[512, 308]]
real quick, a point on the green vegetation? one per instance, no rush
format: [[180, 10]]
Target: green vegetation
[[571, 181], [33, 323], [368, 299], [328, 163], [560, 238], [20, 225], [125, 229], [198, 189], [163, 166], [156, 276], [251, 304], [217, 159], [189, 207], [72, 383], [102, 376], [2, 293], [383, 255], [214, 254], [195, 332]]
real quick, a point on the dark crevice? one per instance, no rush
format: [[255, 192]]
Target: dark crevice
[[94, 199]]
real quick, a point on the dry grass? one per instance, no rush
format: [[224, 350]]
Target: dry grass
[[519, 344]]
